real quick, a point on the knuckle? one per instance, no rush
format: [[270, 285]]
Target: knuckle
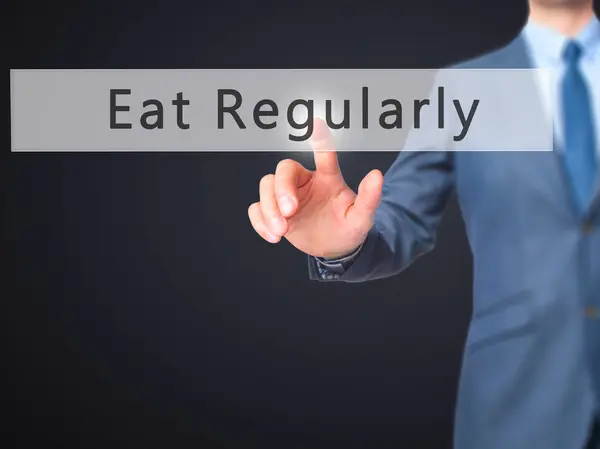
[[268, 210], [266, 180], [285, 165], [252, 209]]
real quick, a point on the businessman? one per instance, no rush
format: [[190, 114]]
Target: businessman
[[531, 368]]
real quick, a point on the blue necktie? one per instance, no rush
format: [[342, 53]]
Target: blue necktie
[[579, 138]]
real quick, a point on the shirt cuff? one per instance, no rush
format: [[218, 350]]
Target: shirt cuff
[[334, 268]]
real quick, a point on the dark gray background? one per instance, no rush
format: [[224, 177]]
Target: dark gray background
[[140, 309]]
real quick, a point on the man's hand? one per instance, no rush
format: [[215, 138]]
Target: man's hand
[[315, 210]]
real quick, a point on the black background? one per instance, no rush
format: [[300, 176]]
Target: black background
[[140, 309]]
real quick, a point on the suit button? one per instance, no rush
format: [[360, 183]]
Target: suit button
[[587, 227], [592, 312]]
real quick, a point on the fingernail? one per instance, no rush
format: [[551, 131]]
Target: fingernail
[[287, 204]]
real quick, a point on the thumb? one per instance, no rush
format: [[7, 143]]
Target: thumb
[[362, 213]]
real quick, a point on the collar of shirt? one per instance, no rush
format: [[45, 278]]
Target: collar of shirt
[[547, 44]]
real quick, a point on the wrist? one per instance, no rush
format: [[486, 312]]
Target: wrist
[[337, 257]]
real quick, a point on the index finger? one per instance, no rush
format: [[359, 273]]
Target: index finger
[[323, 145]]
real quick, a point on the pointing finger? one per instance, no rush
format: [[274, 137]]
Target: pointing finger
[[321, 141]]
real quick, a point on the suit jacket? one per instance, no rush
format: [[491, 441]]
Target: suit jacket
[[525, 381]]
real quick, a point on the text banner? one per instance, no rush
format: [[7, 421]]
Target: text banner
[[273, 110]]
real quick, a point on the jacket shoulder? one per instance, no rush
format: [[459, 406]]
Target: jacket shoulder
[[511, 55]]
